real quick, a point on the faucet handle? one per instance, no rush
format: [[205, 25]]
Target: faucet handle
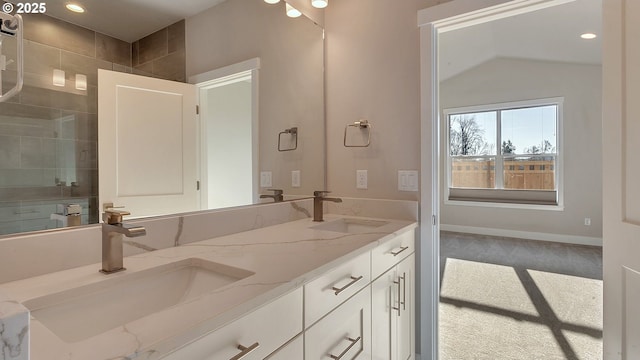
[[111, 215], [321, 193]]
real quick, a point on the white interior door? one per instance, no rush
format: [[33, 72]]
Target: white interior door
[[621, 135], [147, 144]]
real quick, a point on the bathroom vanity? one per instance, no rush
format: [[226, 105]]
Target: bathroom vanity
[[294, 290]]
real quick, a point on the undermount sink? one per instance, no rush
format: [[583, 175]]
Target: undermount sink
[[80, 313], [352, 226]]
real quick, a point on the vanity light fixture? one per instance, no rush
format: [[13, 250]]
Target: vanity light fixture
[[272, 1], [320, 4], [81, 82], [293, 12], [588, 36], [58, 77], [75, 8]]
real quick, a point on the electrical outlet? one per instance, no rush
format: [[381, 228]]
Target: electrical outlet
[[587, 221], [361, 179], [266, 179], [295, 178]]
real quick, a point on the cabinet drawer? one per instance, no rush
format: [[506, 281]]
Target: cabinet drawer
[[330, 290], [385, 256], [293, 350], [257, 334], [344, 334]]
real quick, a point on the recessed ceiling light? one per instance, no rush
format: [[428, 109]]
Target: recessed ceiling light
[[588, 36], [75, 8]]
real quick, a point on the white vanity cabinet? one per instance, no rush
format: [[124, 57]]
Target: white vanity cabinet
[[393, 309], [254, 336], [292, 350], [344, 334]]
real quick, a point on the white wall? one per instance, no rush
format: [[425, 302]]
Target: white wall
[[373, 72], [290, 80], [505, 80], [229, 145]]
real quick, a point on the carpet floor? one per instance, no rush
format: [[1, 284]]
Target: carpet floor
[[508, 299]]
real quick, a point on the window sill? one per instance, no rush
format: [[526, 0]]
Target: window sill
[[504, 205]]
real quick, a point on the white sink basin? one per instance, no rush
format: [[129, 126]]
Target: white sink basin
[[352, 226], [78, 314]]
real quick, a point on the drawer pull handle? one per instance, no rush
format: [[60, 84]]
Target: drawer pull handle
[[404, 291], [396, 253], [245, 351], [353, 342], [399, 302], [353, 281]]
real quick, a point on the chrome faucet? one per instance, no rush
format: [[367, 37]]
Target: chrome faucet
[[112, 232], [277, 195], [318, 199]]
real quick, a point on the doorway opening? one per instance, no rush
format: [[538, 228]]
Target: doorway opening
[[510, 283], [228, 135]]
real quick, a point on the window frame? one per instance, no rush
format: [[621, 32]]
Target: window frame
[[499, 157]]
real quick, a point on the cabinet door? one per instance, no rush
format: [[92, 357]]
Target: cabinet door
[[405, 322], [344, 334], [293, 350], [382, 313]]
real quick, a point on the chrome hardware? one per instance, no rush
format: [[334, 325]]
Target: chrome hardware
[[245, 351], [399, 302], [12, 25], [353, 281], [318, 198], [353, 342], [277, 195], [294, 133], [361, 124], [402, 248], [404, 291], [112, 232]]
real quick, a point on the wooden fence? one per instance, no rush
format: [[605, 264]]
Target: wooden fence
[[518, 174]]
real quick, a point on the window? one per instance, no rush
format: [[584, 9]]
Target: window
[[509, 152]]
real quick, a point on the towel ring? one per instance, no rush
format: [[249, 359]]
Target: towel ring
[[363, 125], [293, 132]]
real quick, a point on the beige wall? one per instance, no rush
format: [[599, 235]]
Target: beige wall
[[505, 80], [373, 72], [290, 80]]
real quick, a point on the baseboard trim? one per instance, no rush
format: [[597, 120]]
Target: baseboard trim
[[529, 235]]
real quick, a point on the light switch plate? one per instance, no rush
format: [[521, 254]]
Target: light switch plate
[[361, 179], [408, 180], [295, 178], [265, 179]]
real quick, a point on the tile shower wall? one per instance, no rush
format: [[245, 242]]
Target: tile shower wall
[[48, 134], [161, 54]]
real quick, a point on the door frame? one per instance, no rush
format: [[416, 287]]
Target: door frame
[[449, 16], [220, 77]]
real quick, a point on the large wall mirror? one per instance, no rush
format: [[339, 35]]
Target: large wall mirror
[[49, 131]]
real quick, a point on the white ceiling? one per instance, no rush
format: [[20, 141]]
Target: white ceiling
[[128, 20], [551, 34]]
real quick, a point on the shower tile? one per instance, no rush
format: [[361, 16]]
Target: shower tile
[[60, 99], [26, 111], [171, 67], [121, 68], [16, 193], [79, 126], [9, 152], [144, 69], [49, 156], [21, 178], [135, 47], [113, 50], [9, 211], [153, 46], [73, 64], [47, 30], [176, 37], [40, 59], [31, 153], [86, 154]]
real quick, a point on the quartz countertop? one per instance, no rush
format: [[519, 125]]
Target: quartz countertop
[[282, 257]]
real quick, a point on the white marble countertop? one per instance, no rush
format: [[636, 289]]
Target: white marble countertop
[[283, 257]]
